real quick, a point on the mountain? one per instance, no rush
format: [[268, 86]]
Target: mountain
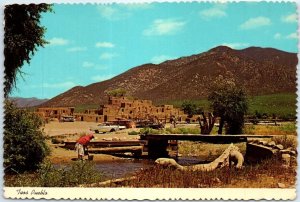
[[258, 70], [27, 102]]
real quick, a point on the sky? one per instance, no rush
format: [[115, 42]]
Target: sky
[[91, 43]]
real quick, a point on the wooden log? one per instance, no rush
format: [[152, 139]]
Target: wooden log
[[107, 150], [232, 152], [71, 144]]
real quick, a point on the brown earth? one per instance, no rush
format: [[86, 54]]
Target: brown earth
[[72, 131], [258, 70]]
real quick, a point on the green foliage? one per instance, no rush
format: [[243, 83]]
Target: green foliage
[[24, 142], [147, 131], [23, 34], [182, 130], [229, 102], [133, 133], [119, 92], [78, 173], [191, 108], [283, 105]]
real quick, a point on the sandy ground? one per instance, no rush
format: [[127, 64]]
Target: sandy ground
[[72, 131]]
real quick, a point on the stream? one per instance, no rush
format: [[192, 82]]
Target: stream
[[130, 166]]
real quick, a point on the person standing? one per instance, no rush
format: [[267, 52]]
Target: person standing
[[81, 145]]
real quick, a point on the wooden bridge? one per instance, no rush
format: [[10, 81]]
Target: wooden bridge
[[156, 144]]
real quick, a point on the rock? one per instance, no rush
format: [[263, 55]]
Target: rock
[[293, 153], [279, 146], [271, 144], [281, 185], [263, 142], [286, 160], [284, 151]]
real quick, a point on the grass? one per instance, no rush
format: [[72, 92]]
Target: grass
[[205, 151], [287, 128], [286, 141], [267, 174], [177, 130], [77, 173], [282, 105]]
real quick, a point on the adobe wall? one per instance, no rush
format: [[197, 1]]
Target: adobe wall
[[54, 112]]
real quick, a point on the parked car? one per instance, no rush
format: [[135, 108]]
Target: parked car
[[67, 119], [106, 127]]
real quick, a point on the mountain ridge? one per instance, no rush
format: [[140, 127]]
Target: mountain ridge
[[258, 70]]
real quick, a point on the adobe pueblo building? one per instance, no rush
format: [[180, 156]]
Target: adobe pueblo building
[[123, 108], [55, 112]]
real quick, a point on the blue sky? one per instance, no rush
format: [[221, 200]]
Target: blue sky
[[91, 43]]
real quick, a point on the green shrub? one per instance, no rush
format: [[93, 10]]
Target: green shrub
[[81, 172], [147, 131], [133, 133], [24, 144], [182, 130]]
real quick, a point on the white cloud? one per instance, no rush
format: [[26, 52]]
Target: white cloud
[[292, 36], [291, 18], [164, 27], [161, 58], [99, 78], [216, 11], [112, 12], [277, 36], [87, 64], [236, 45], [57, 41], [104, 44], [107, 56], [253, 23], [77, 49]]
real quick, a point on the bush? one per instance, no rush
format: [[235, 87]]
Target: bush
[[24, 144], [81, 172], [286, 141], [182, 130], [147, 131], [133, 133], [78, 173]]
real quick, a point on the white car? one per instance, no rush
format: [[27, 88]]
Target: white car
[[106, 127], [67, 119]]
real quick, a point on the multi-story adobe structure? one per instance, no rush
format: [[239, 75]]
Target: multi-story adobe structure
[[125, 108], [55, 112]]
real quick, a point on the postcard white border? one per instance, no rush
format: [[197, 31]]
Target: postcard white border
[[150, 193]]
